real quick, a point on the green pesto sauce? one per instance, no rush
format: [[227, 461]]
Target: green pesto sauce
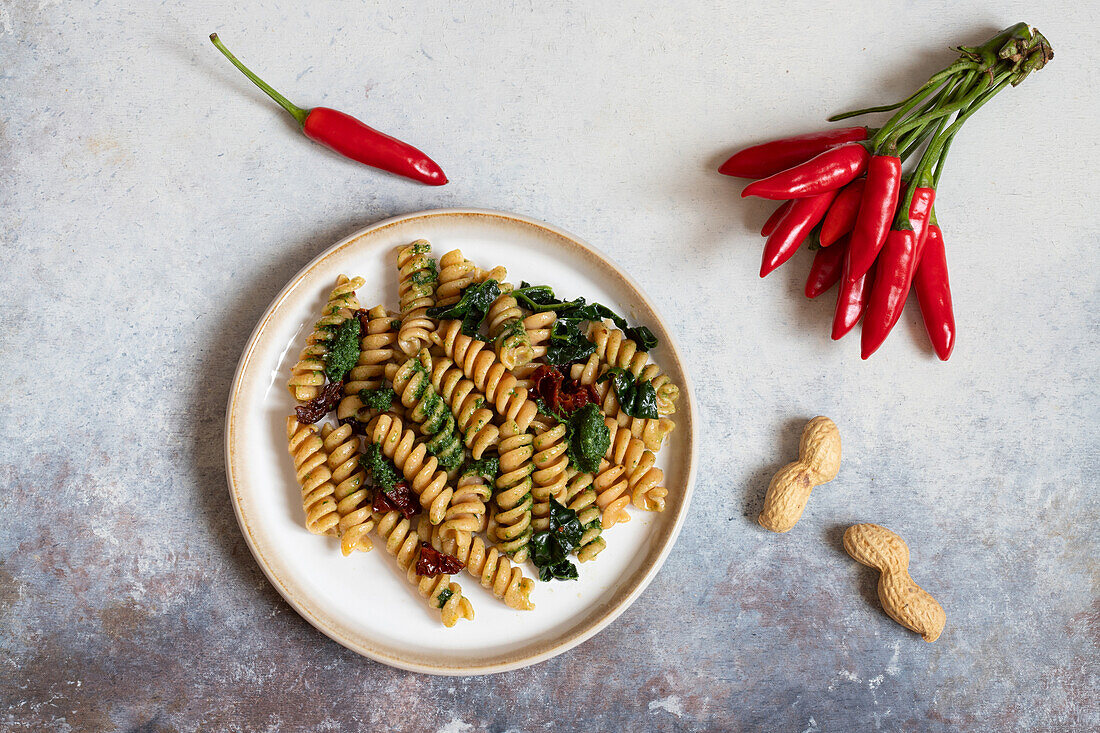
[[381, 469], [487, 467], [589, 438], [444, 596], [377, 399], [343, 349]]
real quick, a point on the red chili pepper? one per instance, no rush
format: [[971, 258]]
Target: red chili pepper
[[896, 265], [934, 293], [842, 214], [773, 220], [350, 137], [766, 159], [826, 269], [825, 172], [876, 212], [793, 229], [851, 301]]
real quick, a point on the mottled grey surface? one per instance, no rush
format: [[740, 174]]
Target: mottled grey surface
[[153, 203]]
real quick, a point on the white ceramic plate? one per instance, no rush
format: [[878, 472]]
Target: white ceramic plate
[[363, 601]]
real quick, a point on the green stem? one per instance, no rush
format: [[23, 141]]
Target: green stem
[[976, 90], [937, 151], [886, 130], [934, 80], [298, 113], [906, 139]]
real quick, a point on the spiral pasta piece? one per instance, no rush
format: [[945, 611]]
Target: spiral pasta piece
[[537, 326], [468, 406], [376, 350], [307, 449], [643, 477], [612, 493], [615, 349], [466, 513], [481, 366], [308, 374], [416, 291], [580, 496], [513, 347], [513, 495], [411, 458], [491, 566], [413, 385], [456, 273], [440, 591], [353, 496], [549, 477]]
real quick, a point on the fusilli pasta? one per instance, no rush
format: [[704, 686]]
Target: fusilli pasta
[[440, 591], [513, 495], [376, 350], [456, 273], [615, 349], [490, 566], [549, 477], [412, 383], [580, 496], [307, 449], [416, 290], [510, 340], [643, 476], [308, 374], [481, 366], [353, 497], [411, 458], [469, 407]]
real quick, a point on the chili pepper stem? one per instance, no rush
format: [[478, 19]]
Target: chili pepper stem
[[297, 112]]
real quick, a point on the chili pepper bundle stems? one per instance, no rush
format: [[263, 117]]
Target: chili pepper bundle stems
[[348, 136]]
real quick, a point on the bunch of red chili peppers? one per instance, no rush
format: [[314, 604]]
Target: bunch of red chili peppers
[[873, 225]]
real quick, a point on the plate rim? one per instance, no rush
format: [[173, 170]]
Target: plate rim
[[553, 650]]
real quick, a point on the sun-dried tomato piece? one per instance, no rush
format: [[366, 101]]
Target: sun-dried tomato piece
[[321, 405], [561, 395], [398, 499], [574, 396], [364, 318], [432, 562]]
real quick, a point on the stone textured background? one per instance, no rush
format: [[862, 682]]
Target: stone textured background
[[153, 203]]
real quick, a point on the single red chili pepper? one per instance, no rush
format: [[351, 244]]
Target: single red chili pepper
[[851, 302], [793, 229], [896, 265], [842, 214], [826, 269], [934, 293], [350, 137], [766, 159], [773, 220], [825, 172], [876, 212]]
